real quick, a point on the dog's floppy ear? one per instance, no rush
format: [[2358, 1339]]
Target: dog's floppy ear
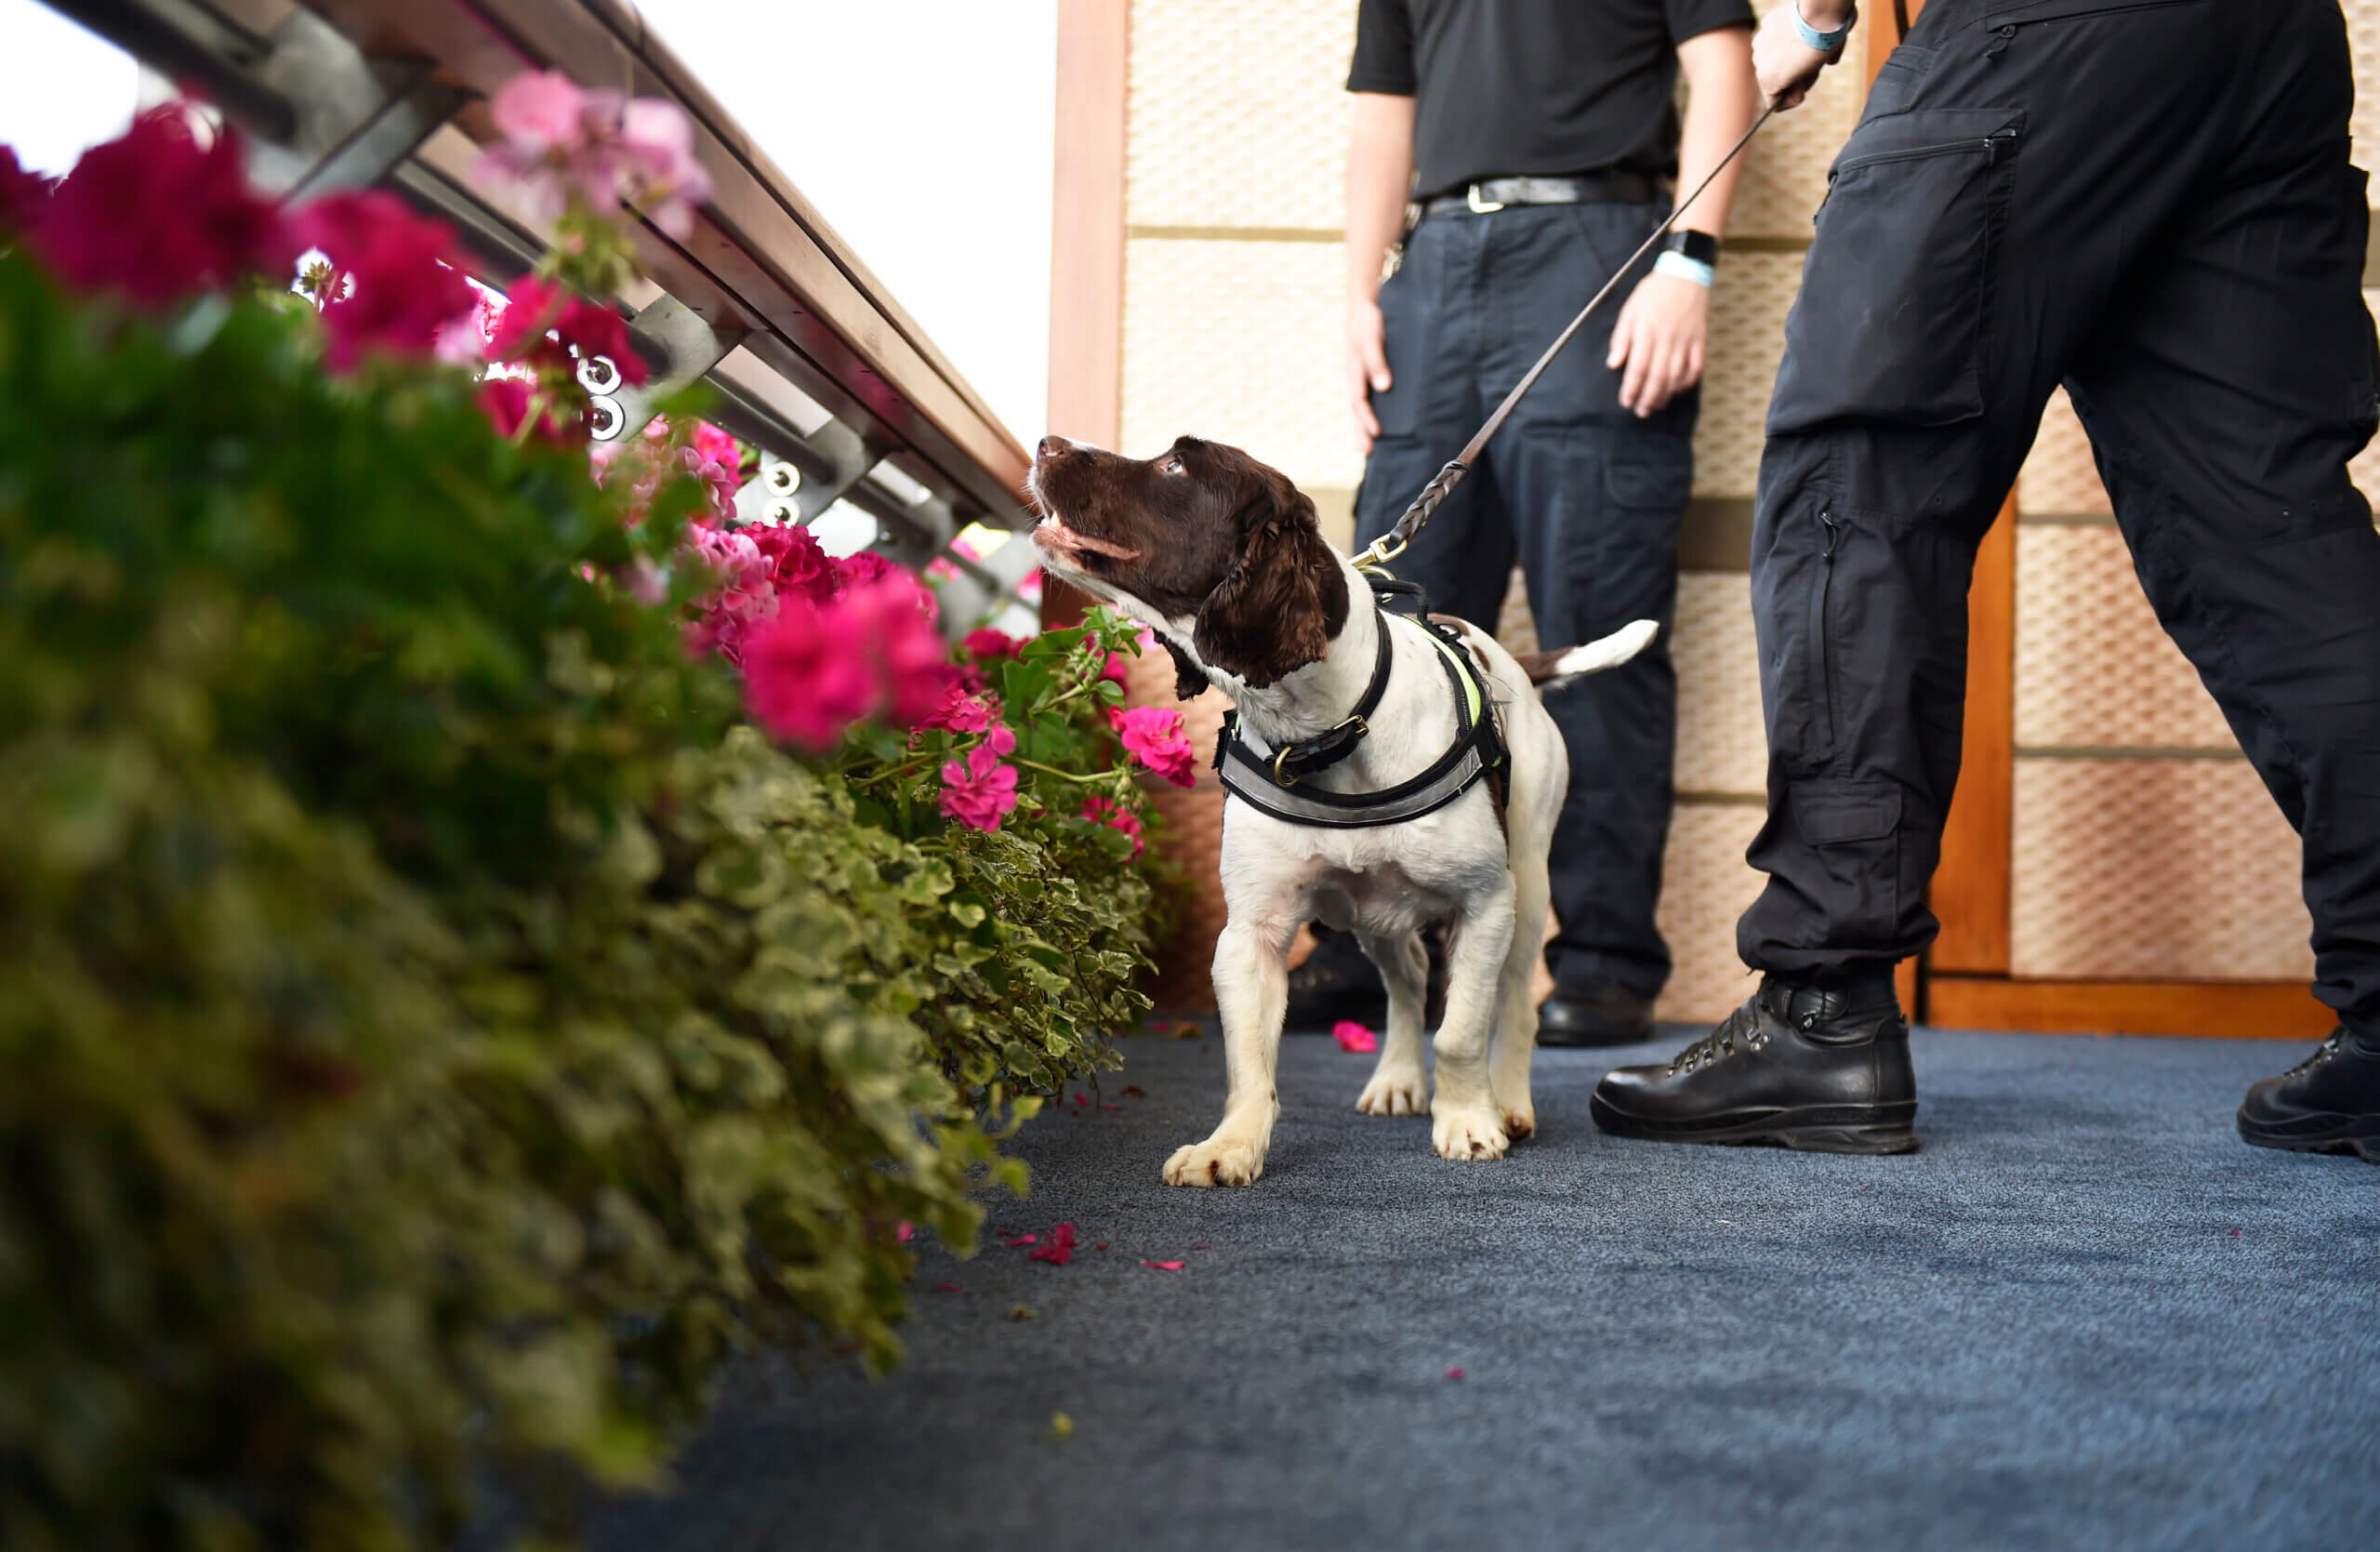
[[1284, 597], [1189, 679]]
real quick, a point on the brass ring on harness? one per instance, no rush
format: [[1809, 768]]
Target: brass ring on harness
[[1279, 779]]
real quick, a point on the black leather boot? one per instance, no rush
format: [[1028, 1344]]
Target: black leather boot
[[1821, 1066], [1599, 1012], [2328, 1103], [1335, 982]]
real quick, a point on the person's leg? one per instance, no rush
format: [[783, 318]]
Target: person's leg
[[1977, 222], [2225, 393], [1596, 498], [1430, 309]]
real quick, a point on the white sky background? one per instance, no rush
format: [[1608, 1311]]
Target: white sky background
[[922, 130], [60, 88]]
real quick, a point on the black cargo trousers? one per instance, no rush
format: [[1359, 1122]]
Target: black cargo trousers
[[1586, 495], [2151, 202]]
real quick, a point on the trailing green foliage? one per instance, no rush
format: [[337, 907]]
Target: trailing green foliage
[[433, 1033]]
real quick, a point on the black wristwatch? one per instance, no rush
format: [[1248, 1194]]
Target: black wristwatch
[[1701, 247]]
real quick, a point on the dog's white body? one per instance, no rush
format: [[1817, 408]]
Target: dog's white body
[[1460, 865], [1485, 877]]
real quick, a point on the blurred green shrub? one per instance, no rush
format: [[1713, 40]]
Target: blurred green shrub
[[433, 1032]]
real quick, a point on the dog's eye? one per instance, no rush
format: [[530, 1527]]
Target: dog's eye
[[1172, 464]]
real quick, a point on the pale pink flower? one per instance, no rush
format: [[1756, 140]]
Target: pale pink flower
[[538, 110]]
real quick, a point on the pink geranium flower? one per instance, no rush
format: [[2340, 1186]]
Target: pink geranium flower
[[543, 324], [394, 284], [986, 642], [803, 682], [981, 791], [1115, 670], [1155, 737], [811, 671], [717, 445], [1105, 810], [157, 216], [962, 712], [506, 402]]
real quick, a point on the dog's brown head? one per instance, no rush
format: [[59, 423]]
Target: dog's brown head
[[1203, 534]]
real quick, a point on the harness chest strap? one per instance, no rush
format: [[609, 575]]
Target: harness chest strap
[[1477, 750]]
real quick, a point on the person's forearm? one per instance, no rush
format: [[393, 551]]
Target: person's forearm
[[1723, 98], [1379, 171]]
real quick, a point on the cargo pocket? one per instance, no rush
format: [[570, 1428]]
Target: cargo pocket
[[1891, 320], [1854, 828]]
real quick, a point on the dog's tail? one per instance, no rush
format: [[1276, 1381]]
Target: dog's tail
[[1544, 668]]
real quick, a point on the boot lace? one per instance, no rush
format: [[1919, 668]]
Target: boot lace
[[1740, 1030], [2322, 1052]]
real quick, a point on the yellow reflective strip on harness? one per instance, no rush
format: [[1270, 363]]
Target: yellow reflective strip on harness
[[1463, 669]]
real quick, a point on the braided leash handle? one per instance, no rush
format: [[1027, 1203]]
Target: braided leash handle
[[1433, 496]]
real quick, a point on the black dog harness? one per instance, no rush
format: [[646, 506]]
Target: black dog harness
[[1272, 786]]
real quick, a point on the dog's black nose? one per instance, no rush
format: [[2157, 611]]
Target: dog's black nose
[[1050, 447]]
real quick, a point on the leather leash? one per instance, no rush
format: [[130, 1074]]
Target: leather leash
[[1392, 544]]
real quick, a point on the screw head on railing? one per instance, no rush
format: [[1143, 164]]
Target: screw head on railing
[[605, 419], [780, 477], [785, 515], [599, 373]]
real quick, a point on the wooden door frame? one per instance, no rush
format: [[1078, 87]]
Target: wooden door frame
[[1087, 240]]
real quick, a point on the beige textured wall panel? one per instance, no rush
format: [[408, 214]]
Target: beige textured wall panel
[[1238, 112], [1722, 744], [2365, 467], [1748, 309], [1240, 343], [1706, 885], [2132, 869], [2060, 476], [1785, 165], [2364, 41], [2094, 668]]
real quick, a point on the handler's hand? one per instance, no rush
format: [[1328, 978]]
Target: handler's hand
[[1367, 367], [1660, 342], [1787, 66]]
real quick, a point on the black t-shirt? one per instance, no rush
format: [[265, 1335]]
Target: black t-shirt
[[1507, 87]]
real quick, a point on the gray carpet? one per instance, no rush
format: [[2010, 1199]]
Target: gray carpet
[[2083, 1316]]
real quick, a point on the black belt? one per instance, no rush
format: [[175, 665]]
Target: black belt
[[1595, 188]]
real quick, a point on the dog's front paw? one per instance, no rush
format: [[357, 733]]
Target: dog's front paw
[[1520, 1122], [1404, 1092], [1468, 1136], [1217, 1161]]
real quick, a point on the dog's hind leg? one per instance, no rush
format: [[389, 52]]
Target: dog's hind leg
[[1252, 992], [1399, 1086], [1516, 1009], [1465, 1122]]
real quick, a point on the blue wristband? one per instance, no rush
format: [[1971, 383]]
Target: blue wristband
[[1825, 42], [1684, 268]]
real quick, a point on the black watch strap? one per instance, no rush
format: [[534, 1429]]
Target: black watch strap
[[1701, 247]]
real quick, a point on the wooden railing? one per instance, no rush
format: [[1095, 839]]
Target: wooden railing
[[814, 357]]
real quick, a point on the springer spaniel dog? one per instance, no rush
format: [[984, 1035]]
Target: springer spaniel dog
[[1222, 559]]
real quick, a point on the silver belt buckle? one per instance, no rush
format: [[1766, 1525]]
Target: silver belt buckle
[[1482, 206]]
